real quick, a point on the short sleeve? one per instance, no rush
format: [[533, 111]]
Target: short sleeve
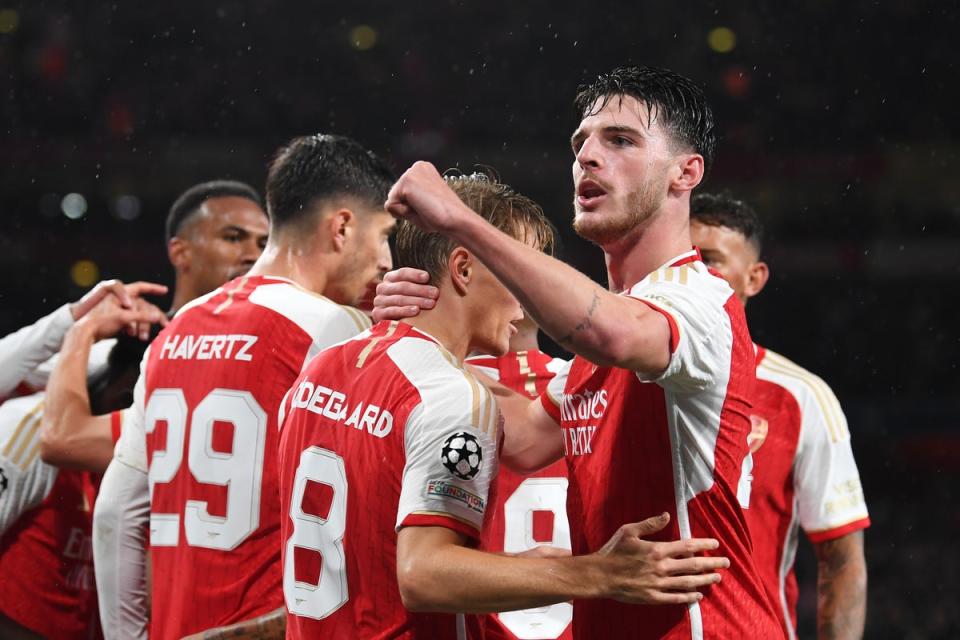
[[552, 397], [692, 300], [450, 445], [131, 447], [831, 501], [25, 480]]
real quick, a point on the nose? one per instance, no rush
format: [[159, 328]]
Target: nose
[[251, 251], [589, 154], [385, 261]]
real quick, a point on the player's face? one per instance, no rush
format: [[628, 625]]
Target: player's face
[[366, 259], [619, 170], [497, 313], [225, 238], [727, 252]]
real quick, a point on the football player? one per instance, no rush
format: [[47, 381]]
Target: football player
[[389, 447], [804, 473], [653, 414], [199, 450]]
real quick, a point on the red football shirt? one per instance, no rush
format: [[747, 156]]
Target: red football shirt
[[382, 432], [207, 402], [530, 510], [46, 560], [804, 475], [637, 447]]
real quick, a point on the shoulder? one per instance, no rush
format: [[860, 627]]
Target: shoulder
[[693, 279], [447, 390], [310, 311], [20, 429], [811, 392]]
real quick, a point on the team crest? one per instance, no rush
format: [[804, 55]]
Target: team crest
[[462, 455], [758, 433]]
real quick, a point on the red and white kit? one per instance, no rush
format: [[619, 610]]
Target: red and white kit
[[205, 408], [382, 432], [530, 510], [637, 447], [804, 474], [45, 519]]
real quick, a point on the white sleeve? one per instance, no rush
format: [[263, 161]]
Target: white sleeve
[[450, 442], [131, 448], [450, 466], [23, 351], [831, 502], [25, 480], [120, 520], [692, 300], [96, 363], [552, 397]]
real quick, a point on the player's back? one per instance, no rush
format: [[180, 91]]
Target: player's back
[[361, 455], [215, 378]]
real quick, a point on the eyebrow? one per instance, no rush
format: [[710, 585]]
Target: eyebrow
[[243, 230], [614, 128]]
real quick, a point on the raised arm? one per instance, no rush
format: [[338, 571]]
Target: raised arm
[[71, 435], [437, 572], [603, 327]]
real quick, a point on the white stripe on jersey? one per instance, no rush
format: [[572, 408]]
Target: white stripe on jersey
[[786, 563], [326, 322]]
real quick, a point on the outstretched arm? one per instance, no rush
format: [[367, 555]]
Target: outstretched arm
[[841, 588], [437, 572]]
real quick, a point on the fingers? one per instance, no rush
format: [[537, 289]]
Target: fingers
[[667, 597], [404, 301], [648, 526], [691, 566], [138, 289], [687, 548], [689, 583], [405, 274], [394, 313]]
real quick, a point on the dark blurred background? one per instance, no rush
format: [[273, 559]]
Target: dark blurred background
[[837, 120]]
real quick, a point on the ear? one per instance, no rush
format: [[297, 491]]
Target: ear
[[757, 276], [179, 253], [339, 225], [460, 269], [688, 172]]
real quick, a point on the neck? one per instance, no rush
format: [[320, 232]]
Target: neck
[[445, 322], [183, 292], [304, 265], [525, 340], [632, 258]]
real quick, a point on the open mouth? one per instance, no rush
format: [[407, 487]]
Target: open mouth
[[590, 194]]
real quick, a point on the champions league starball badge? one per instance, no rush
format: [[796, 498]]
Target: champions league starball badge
[[462, 455]]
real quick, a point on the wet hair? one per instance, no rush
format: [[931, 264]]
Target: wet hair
[[312, 169], [123, 364], [723, 210], [676, 102], [190, 201], [516, 215]]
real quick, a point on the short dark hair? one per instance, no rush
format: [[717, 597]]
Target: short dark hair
[[516, 215], [676, 101], [193, 198], [314, 168], [723, 210]]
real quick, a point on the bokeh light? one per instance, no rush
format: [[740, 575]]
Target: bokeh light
[[84, 273], [363, 37], [9, 20], [722, 39], [74, 206]]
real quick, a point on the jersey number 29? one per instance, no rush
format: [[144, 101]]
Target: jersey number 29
[[240, 470]]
